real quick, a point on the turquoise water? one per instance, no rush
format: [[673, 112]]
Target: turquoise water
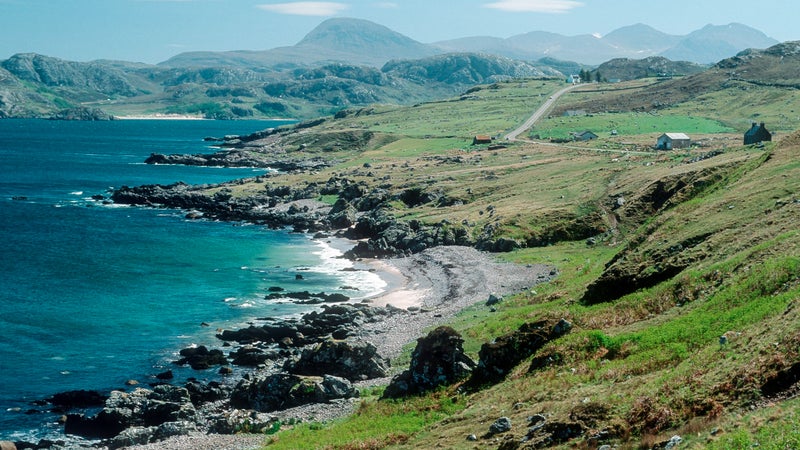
[[93, 295]]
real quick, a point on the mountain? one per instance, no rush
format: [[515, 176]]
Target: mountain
[[705, 46], [350, 41], [631, 69], [641, 36], [713, 43]]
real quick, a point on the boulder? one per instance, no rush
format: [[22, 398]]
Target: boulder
[[77, 399], [438, 360], [282, 390], [501, 425], [250, 356], [201, 358], [351, 360], [200, 393], [7, 445]]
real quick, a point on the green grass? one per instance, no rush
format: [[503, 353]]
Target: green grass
[[627, 124], [376, 424]]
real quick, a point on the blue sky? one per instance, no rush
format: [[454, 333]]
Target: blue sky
[[151, 31]]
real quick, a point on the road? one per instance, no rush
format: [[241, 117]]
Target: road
[[512, 136]]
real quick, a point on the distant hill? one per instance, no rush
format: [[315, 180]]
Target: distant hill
[[708, 45], [350, 41], [654, 66], [713, 43], [40, 86]]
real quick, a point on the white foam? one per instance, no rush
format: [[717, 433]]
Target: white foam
[[368, 283]]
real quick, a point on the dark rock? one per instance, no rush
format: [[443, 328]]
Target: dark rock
[[167, 375], [249, 356], [353, 361], [140, 408], [494, 299], [201, 393], [201, 358], [281, 391], [501, 425], [553, 433], [438, 360], [77, 399]]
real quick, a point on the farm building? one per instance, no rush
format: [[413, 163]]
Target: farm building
[[757, 133], [669, 141], [574, 79], [481, 139], [584, 136]]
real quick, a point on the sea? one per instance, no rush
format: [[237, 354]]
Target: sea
[[94, 294]]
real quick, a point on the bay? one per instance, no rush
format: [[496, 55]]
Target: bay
[[93, 295]]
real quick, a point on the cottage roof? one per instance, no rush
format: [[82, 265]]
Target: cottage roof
[[677, 136]]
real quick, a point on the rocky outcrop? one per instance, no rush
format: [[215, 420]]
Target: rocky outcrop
[[201, 358], [351, 360], [331, 321], [497, 358], [240, 158], [282, 390], [438, 360], [82, 113], [140, 408]]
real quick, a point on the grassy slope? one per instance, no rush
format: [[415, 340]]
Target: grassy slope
[[652, 357]]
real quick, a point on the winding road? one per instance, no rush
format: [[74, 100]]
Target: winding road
[[512, 136]]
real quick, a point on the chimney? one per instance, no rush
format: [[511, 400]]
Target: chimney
[[762, 124]]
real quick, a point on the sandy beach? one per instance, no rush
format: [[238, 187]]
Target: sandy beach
[[435, 284]]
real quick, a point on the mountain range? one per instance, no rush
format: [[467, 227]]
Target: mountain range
[[357, 41], [342, 63]]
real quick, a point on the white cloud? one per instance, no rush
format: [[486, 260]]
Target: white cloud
[[537, 6], [306, 8]]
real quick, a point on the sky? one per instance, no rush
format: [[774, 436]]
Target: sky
[[152, 31]]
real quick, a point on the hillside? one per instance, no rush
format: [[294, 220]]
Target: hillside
[[41, 86], [625, 69], [754, 85], [678, 271]]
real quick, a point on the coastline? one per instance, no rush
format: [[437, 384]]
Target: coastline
[[433, 287]]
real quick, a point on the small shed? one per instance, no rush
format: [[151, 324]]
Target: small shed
[[757, 133], [481, 139], [669, 141], [574, 79], [584, 136]]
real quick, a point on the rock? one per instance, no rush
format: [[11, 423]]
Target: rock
[[438, 360], [132, 436], [472, 438], [494, 299], [241, 421], [7, 445], [249, 356], [201, 358], [351, 360], [497, 358], [167, 375], [140, 408], [500, 425], [672, 443], [282, 390], [200, 393], [77, 399]]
